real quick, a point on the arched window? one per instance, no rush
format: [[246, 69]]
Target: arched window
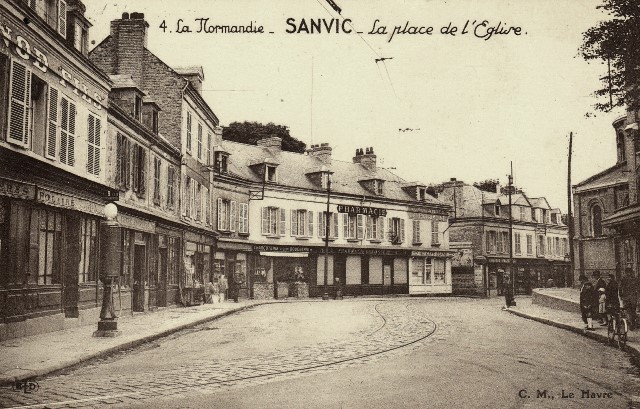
[[596, 220], [620, 146]]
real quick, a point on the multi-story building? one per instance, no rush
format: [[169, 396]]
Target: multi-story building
[[385, 235], [607, 211], [53, 182], [479, 231]]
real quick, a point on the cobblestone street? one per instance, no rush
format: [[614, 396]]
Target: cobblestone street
[[283, 345]]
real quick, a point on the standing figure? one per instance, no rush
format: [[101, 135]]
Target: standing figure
[[612, 303], [629, 295], [587, 304]]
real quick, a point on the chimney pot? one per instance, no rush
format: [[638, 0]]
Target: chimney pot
[[125, 16], [453, 179]]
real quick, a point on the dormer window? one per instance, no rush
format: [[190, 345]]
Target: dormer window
[[422, 194], [376, 186], [54, 12], [137, 108], [324, 180], [221, 162], [270, 174], [497, 208], [80, 38]]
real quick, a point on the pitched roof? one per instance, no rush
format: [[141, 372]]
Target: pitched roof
[[292, 168], [614, 175]]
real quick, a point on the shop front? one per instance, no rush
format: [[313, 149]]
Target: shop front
[[529, 273], [231, 264], [430, 272], [168, 265], [197, 261]]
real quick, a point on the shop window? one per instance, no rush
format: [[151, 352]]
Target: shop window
[[139, 169], [439, 276], [518, 245], [301, 223], [435, 233], [353, 226], [49, 246], [396, 230], [123, 161], [596, 221], [188, 132], [273, 221], [333, 225], [93, 145], [199, 141], [375, 227], [171, 180], [416, 232], [5, 262], [529, 244], [88, 251], [243, 218], [156, 180]]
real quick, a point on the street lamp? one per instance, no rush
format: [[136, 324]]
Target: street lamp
[[326, 173], [110, 258]]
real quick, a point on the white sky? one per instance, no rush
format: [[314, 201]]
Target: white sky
[[477, 104]]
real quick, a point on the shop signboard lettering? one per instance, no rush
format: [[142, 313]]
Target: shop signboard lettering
[[134, 223], [371, 211], [17, 189], [428, 216], [427, 253], [69, 202], [285, 249]]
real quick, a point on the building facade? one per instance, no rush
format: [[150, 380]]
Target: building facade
[[479, 233]]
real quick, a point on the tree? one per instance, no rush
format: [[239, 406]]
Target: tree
[[488, 185], [616, 42], [251, 132]]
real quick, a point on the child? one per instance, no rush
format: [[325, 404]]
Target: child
[[587, 305], [602, 298]]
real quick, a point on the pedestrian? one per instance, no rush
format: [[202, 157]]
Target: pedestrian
[[612, 303], [508, 290], [587, 304], [629, 295], [602, 298], [600, 282]]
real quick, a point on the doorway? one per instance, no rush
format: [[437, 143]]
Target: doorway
[[162, 279], [387, 273], [139, 268], [340, 269]]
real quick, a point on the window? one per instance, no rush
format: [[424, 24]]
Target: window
[[67, 132], [156, 180], [207, 206], [416, 232], [500, 244], [243, 218], [93, 145], [564, 247], [174, 260], [435, 233], [439, 276], [540, 246], [80, 38], [20, 98], [378, 186], [353, 226], [333, 225], [192, 199], [301, 223], [523, 213], [270, 173], [188, 132], [497, 208], [273, 221], [139, 169], [186, 196], [221, 161], [529, 244], [557, 246], [422, 194], [506, 241], [491, 241], [596, 220], [171, 176], [533, 215], [198, 201], [228, 215], [123, 161], [518, 245], [549, 246], [620, 146], [208, 158], [375, 227], [88, 251], [62, 18], [49, 246], [199, 141], [396, 230]]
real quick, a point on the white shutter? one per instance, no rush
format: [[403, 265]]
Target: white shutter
[[93, 146], [369, 227], [310, 224], [345, 225], [244, 218], [18, 130], [67, 131], [380, 231], [294, 222], [233, 216], [62, 18], [282, 227], [401, 230], [334, 217], [321, 227], [360, 226], [265, 220], [52, 125], [219, 213]]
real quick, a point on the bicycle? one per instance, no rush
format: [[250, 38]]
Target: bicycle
[[617, 328]]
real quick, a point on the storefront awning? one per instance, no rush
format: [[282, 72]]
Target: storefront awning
[[284, 254], [625, 215]]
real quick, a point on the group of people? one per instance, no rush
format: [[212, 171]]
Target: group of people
[[602, 299]]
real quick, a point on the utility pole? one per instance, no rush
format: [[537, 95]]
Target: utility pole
[[569, 281], [510, 297], [327, 220]]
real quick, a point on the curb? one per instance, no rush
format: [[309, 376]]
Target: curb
[[31, 374], [593, 335]]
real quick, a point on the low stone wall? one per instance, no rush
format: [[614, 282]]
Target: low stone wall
[[550, 300], [262, 291]]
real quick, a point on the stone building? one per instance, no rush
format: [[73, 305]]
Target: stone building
[[479, 233]]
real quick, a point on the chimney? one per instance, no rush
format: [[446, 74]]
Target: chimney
[[129, 36], [322, 152], [193, 74], [498, 188], [273, 143], [366, 158]]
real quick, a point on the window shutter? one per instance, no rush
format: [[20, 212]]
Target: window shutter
[[294, 222], [219, 213], [127, 163], [387, 226], [360, 226], [119, 159], [143, 169], [435, 233], [380, 232], [283, 222], [369, 227], [310, 224], [401, 230], [345, 225], [93, 146], [18, 107], [233, 216], [416, 231], [265, 220], [183, 196], [334, 221], [62, 18], [52, 124], [64, 131], [321, 228], [245, 218]]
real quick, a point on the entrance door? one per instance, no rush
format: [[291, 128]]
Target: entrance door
[[340, 269], [139, 267], [162, 278], [71, 265], [387, 273]]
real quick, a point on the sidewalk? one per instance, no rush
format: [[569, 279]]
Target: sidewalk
[[27, 357], [569, 321]]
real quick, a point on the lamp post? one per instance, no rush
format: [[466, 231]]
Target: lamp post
[[326, 173], [110, 258]]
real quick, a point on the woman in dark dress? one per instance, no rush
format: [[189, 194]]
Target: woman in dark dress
[[588, 303]]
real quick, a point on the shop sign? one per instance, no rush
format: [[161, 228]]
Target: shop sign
[[29, 50], [427, 253], [361, 251], [134, 223], [371, 211], [69, 202], [428, 216], [16, 189], [286, 249]]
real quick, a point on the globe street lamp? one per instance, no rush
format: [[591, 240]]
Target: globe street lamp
[[326, 173], [110, 264]]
